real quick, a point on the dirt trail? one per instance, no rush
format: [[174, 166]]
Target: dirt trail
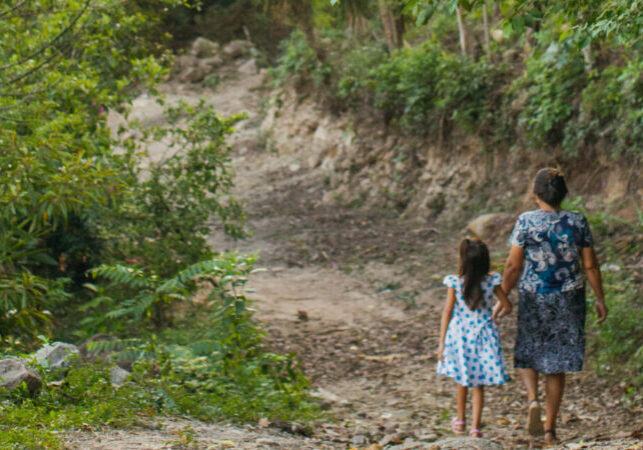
[[357, 295]]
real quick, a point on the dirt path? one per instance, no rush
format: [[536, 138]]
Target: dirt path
[[357, 295]]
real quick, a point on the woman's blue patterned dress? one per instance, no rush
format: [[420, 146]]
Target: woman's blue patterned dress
[[551, 291], [472, 353]]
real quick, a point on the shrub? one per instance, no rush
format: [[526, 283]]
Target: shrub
[[552, 82]]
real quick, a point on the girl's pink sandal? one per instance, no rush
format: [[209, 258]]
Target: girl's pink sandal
[[458, 425], [475, 433]]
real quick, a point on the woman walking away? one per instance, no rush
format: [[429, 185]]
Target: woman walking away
[[469, 350], [547, 248]]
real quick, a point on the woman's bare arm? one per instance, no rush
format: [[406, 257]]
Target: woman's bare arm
[[512, 269], [447, 312], [593, 271]]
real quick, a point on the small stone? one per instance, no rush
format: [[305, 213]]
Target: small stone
[[359, 440], [469, 443], [428, 437]]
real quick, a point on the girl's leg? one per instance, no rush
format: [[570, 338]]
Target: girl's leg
[[478, 404], [554, 387], [530, 380], [462, 402]]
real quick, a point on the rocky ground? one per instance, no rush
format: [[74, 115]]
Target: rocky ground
[[357, 294]]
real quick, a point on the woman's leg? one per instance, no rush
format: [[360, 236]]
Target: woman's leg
[[554, 388], [462, 403], [478, 404], [530, 380]]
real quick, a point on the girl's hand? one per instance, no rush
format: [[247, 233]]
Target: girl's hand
[[441, 353], [601, 312]]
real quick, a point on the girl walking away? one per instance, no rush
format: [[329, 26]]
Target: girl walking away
[[469, 350]]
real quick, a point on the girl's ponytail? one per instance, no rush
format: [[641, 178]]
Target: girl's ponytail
[[474, 266]]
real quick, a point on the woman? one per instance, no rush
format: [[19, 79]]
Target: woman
[[548, 246]]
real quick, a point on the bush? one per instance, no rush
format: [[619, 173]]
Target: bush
[[425, 86]]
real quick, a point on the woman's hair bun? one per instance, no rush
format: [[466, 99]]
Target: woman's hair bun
[[550, 186]]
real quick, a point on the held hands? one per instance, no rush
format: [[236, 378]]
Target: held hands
[[601, 312], [500, 311]]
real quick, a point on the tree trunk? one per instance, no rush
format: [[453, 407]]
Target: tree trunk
[[464, 31], [390, 26], [485, 19]]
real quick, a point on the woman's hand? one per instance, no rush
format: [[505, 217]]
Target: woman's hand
[[601, 312], [441, 352], [500, 311]]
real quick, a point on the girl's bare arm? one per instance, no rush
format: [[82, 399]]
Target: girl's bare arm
[[447, 312], [504, 306], [513, 268], [593, 271]]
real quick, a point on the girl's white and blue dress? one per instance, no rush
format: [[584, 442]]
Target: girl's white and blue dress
[[472, 352]]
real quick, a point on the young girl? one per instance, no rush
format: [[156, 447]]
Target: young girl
[[469, 350]]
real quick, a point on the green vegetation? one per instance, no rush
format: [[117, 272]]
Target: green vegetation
[[555, 75], [97, 239]]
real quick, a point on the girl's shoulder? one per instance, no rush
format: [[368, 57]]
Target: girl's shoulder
[[452, 281], [493, 279]]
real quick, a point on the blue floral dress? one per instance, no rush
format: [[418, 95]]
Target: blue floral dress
[[472, 353], [551, 291]]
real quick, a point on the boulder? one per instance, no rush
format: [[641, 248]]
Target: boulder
[[118, 376], [489, 227], [14, 371], [193, 74], [211, 63], [237, 48], [204, 48], [56, 355], [468, 443], [182, 63], [93, 355], [248, 67]]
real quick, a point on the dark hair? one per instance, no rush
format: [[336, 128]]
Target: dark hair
[[474, 266], [550, 187]]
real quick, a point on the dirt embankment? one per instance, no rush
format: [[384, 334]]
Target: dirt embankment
[[447, 179]]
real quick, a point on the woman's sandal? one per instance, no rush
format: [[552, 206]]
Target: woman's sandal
[[475, 433], [534, 423], [458, 426]]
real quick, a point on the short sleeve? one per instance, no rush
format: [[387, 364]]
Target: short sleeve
[[496, 279], [519, 233], [450, 281], [585, 234]]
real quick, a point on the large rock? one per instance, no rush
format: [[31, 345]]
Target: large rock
[[193, 74], [489, 227], [56, 355], [14, 371], [182, 63], [462, 443], [204, 48], [118, 376], [248, 67], [237, 48]]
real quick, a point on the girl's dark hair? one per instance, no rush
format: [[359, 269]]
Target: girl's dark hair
[[550, 186], [474, 266]]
